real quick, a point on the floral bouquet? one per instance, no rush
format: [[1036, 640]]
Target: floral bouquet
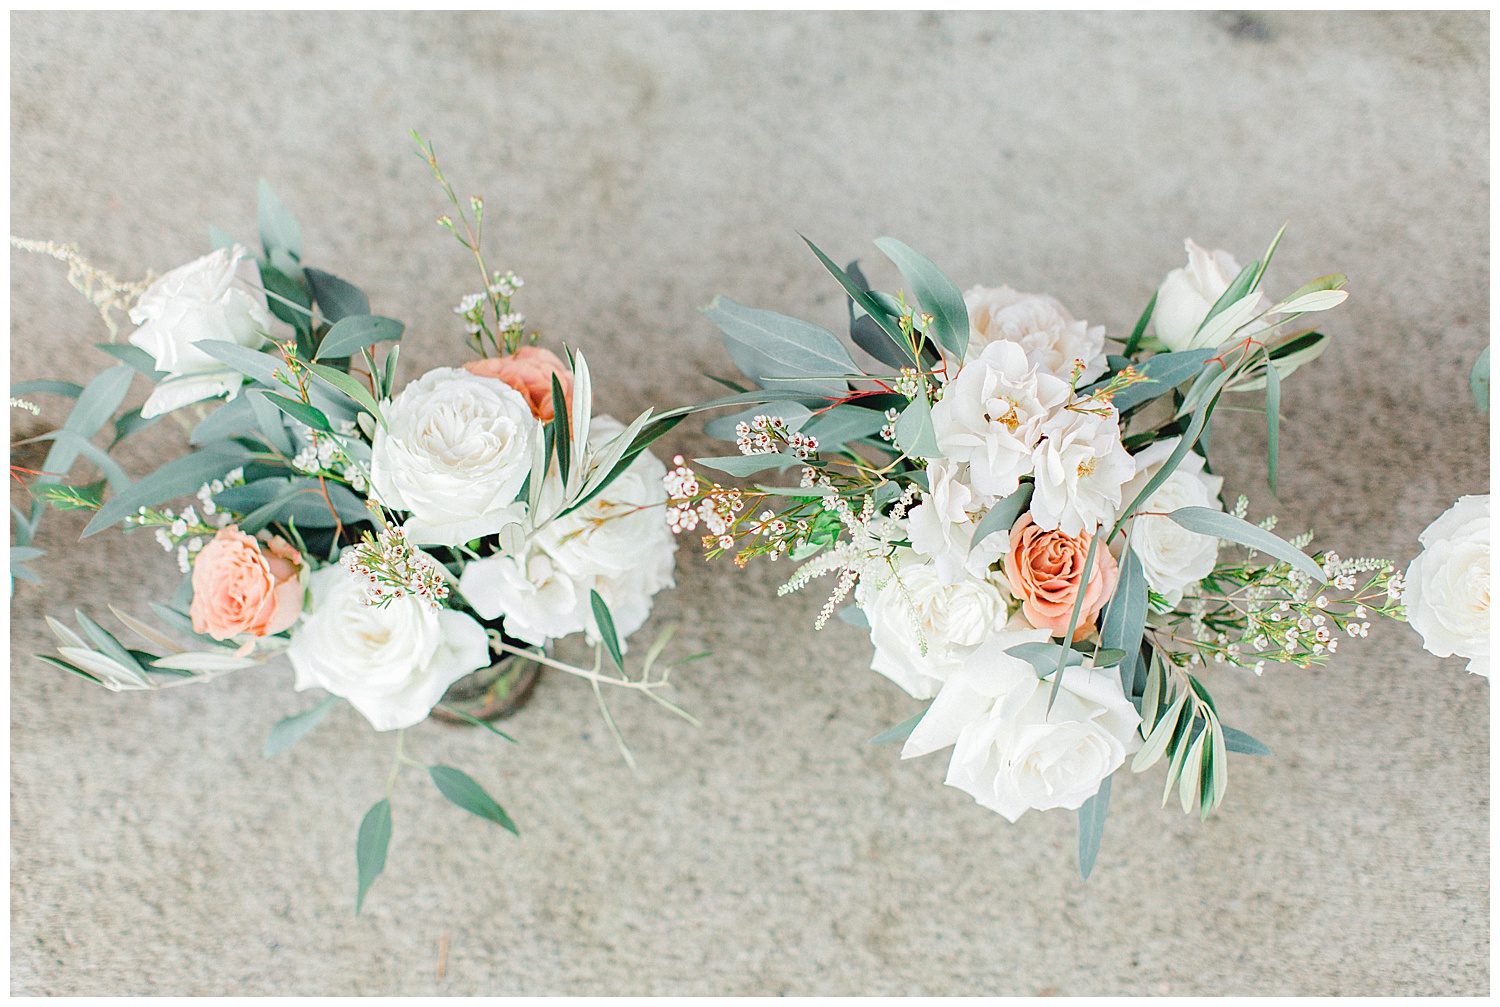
[[412, 550], [1028, 522]]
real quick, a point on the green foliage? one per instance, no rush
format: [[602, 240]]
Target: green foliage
[[179, 477], [370, 849], [1165, 371], [289, 730], [914, 431], [336, 299], [1091, 827], [1002, 516], [1208, 521], [865, 299], [302, 412], [783, 351], [1273, 424], [1238, 289], [62, 497], [900, 732], [46, 386], [353, 333], [278, 225], [560, 429], [1124, 620], [1239, 741], [935, 293], [606, 625], [838, 426], [1479, 381], [135, 357], [1133, 344], [462, 790], [745, 465]]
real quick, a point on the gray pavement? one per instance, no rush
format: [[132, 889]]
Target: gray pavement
[[634, 166]]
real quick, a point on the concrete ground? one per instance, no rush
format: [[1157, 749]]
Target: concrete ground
[[635, 166]]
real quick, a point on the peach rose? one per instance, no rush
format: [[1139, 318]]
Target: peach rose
[[245, 585], [1045, 571], [529, 371]]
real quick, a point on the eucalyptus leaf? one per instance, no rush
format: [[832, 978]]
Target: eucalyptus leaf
[[935, 293], [900, 732], [131, 422], [289, 730], [1273, 424], [351, 334], [914, 430], [1044, 657], [179, 477], [1233, 318], [270, 421], [794, 413], [1208, 521], [1317, 300], [867, 301], [838, 426], [96, 404], [460, 788], [745, 465], [135, 357], [1091, 827], [370, 849], [1160, 736], [764, 344], [219, 238], [336, 298], [278, 226], [1002, 516], [1125, 618], [350, 386], [1238, 290], [256, 365], [46, 386], [1192, 768], [109, 646], [854, 616], [1165, 371], [302, 412]]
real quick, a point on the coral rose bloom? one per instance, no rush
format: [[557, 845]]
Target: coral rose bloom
[[1045, 571], [244, 585], [529, 371]]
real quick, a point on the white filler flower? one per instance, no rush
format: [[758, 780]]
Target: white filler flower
[[195, 303], [1172, 558], [1009, 753], [1448, 585], [1053, 339], [392, 663], [455, 455], [915, 610], [616, 544], [991, 416]]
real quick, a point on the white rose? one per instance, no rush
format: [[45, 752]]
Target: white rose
[[455, 455], [538, 599], [193, 303], [393, 663], [1009, 752], [1186, 295], [991, 416], [1052, 338], [916, 608], [1079, 468], [1172, 558], [616, 544], [942, 526], [1448, 585]]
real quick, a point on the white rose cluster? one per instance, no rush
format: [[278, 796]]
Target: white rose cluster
[[1003, 418], [195, 303], [393, 662], [616, 544], [1448, 585]]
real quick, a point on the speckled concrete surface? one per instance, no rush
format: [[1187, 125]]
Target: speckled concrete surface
[[634, 166]]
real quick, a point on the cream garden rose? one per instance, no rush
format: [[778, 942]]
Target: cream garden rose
[[392, 663], [195, 303], [923, 627], [1053, 339], [991, 416], [1184, 298], [456, 452], [1009, 753], [1448, 585], [1172, 558]]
